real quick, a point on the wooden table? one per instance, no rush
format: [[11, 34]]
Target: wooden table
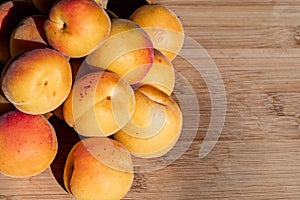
[[255, 47]]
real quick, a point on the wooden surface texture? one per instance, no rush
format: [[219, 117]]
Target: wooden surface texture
[[255, 47]]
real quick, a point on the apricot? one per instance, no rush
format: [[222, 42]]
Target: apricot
[[163, 26], [77, 27], [98, 168], [161, 74], [155, 125], [100, 104], [128, 51], [29, 34], [44, 6], [37, 81], [28, 144], [11, 13]]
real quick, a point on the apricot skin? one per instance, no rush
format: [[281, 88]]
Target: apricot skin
[[128, 51], [99, 104], [163, 26], [98, 168], [28, 144], [28, 34], [37, 81], [153, 136]]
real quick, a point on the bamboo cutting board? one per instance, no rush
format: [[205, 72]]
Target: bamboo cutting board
[[254, 46]]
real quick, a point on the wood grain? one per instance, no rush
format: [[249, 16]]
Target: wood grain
[[255, 45]]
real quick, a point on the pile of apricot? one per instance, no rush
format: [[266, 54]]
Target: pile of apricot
[[110, 78]]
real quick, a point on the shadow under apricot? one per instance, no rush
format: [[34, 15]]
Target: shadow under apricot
[[124, 8]]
